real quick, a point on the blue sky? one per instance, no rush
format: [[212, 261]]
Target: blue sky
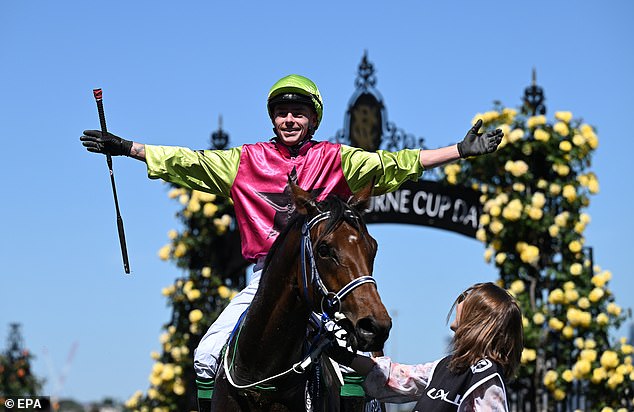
[[168, 71]]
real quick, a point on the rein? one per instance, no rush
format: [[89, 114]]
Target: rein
[[329, 299]]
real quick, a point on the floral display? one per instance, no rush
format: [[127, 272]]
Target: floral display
[[533, 191]]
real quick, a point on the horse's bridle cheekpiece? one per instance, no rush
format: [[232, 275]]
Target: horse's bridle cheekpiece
[[330, 300]]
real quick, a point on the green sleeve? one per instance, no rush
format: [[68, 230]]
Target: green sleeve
[[388, 169], [210, 171]]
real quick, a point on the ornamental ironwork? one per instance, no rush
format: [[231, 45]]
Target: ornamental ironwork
[[534, 98], [219, 139], [366, 125]]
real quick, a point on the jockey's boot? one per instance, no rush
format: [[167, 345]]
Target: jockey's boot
[[205, 391]]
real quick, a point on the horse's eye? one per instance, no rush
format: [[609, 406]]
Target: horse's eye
[[323, 250]]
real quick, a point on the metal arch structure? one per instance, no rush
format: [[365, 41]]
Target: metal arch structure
[[424, 202]]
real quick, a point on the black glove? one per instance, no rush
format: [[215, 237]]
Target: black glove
[[475, 144], [340, 355], [95, 142]]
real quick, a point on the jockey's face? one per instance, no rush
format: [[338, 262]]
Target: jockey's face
[[292, 122]]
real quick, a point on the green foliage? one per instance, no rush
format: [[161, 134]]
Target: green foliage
[[207, 249], [16, 377], [533, 192]]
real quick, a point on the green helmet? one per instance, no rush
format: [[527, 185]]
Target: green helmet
[[297, 89]]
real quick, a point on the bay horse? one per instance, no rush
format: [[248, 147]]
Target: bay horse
[[321, 262]]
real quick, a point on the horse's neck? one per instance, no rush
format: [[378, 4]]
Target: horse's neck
[[275, 326]]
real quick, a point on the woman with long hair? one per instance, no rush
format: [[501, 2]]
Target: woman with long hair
[[485, 352]]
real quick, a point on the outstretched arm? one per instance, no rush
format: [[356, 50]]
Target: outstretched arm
[[474, 144], [97, 142]]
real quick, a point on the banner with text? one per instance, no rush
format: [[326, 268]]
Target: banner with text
[[429, 203]]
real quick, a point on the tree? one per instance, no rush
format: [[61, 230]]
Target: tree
[[533, 191], [16, 377]]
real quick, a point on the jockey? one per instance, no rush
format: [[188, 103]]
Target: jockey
[[255, 177]]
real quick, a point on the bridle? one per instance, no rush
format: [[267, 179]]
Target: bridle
[[330, 304], [328, 299]]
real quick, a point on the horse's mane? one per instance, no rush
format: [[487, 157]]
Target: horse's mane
[[338, 215]]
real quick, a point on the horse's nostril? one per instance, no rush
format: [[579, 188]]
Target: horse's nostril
[[367, 328], [371, 334]]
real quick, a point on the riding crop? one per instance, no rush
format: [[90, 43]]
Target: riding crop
[[104, 131]]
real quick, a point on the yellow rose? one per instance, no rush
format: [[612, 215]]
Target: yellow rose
[[574, 246], [167, 291], [538, 200], [609, 359], [152, 393], [567, 375], [570, 193], [541, 135], [180, 250], [550, 377], [193, 294], [209, 209], [517, 286], [563, 116], [496, 227], [554, 189], [555, 324], [535, 213], [562, 129], [576, 269], [593, 186], [519, 187], [599, 374], [568, 332], [553, 230], [536, 121], [581, 368], [599, 280], [530, 254], [495, 211], [559, 394], [627, 349], [585, 319], [206, 272], [562, 170], [485, 220], [596, 294], [579, 343], [571, 295], [193, 206], [574, 316], [528, 355], [179, 388], [565, 146], [614, 309], [168, 372], [223, 291], [515, 135], [578, 140], [195, 315], [538, 318], [603, 319], [500, 258], [164, 252], [487, 255]]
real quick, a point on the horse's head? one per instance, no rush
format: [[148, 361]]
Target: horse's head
[[337, 260]]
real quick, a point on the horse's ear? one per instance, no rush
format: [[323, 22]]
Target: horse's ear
[[304, 203], [361, 200]]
